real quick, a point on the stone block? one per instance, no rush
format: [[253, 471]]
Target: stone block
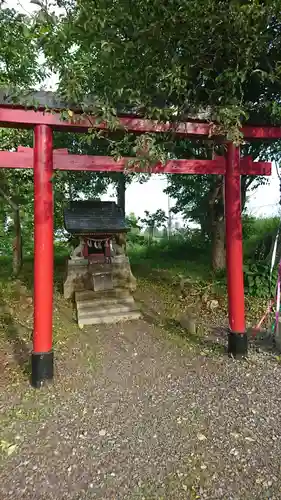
[[71, 263], [78, 278], [120, 259], [187, 322], [100, 268], [102, 281]]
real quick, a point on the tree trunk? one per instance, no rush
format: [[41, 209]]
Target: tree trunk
[[17, 243], [246, 182], [121, 192], [216, 218], [218, 223], [218, 245], [17, 246], [150, 234], [70, 190]]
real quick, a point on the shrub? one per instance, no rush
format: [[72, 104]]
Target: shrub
[[183, 246], [258, 236], [257, 280]]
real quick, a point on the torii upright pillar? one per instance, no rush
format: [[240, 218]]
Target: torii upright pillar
[[42, 355], [237, 338]]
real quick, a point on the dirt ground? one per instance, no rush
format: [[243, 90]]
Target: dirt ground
[[133, 416], [137, 411]]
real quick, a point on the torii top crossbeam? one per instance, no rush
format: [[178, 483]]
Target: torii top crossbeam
[[33, 111], [38, 108]]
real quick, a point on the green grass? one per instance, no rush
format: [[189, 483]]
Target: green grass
[[176, 256], [16, 314]]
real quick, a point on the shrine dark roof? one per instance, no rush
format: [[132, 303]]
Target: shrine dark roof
[[88, 217]]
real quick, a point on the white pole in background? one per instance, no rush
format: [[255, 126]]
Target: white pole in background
[[169, 228]]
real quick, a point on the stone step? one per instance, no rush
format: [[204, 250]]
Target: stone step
[[116, 318], [91, 295], [107, 310], [105, 301]]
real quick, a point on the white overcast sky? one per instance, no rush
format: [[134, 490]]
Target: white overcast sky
[[149, 196]]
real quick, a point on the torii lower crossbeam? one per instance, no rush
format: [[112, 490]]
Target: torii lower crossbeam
[[44, 160], [23, 158]]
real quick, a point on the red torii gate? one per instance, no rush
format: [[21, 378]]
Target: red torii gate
[[44, 160]]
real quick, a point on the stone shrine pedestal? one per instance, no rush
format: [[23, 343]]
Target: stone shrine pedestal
[[102, 292]]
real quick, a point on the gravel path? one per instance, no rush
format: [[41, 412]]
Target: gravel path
[[152, 421]]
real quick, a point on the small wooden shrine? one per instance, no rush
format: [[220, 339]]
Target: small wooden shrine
[[99, 277]]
